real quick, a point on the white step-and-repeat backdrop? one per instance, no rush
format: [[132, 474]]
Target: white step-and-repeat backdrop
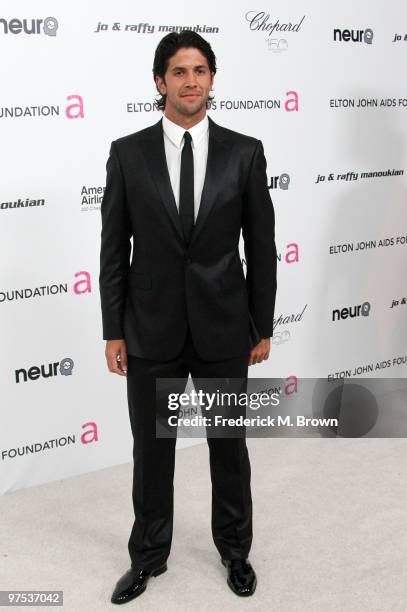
[[321, 84]]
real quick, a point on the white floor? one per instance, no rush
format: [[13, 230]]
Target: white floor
[[330, 532]]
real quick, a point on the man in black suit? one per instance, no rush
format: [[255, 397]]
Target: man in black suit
[[183, 189]]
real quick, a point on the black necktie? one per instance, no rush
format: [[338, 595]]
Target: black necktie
[[186, 188]]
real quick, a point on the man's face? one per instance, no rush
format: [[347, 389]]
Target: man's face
[[187, 82]]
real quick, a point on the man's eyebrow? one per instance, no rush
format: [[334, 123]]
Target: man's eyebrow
[[183, 67]]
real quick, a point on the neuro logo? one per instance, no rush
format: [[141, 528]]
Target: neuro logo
[[364, 36], [365, 309], [48, 26], [281, 181], [66, 366], [360, 310], [284, 181], [45, 371]]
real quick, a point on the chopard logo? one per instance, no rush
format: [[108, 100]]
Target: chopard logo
[[259, 21]]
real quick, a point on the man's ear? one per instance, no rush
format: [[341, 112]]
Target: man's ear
[[159, 82]]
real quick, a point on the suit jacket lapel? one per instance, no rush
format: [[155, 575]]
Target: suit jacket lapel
[[218, 157], [154, 152], [219, 154]]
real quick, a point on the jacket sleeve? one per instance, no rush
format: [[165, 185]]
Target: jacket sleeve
[[258, 223], [115, 249]]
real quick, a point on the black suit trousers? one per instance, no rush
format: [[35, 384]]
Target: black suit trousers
[[154, 461]]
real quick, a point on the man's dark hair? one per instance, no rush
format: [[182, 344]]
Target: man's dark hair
[[169, 45]]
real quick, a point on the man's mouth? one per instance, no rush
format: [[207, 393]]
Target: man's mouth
[[190, 95]]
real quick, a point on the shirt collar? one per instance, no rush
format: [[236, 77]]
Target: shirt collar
[[176, 133]]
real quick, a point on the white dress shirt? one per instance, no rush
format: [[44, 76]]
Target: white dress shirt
[[173, 142]]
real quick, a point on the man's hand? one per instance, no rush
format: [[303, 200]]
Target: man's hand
[[260, 352], [116, 356]]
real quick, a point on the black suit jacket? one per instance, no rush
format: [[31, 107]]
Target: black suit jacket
[[168, 285]]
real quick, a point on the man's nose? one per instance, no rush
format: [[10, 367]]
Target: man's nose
[[191, 79]]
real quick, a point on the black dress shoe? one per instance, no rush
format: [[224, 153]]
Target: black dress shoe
[[133, 583], [241, 576]]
